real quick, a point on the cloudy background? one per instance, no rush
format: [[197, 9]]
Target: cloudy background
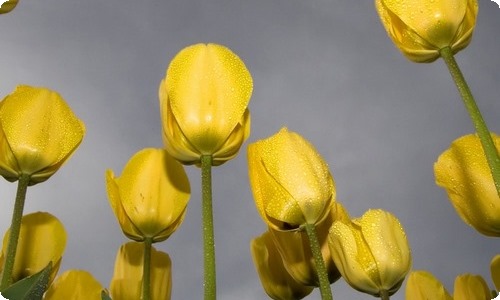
[[326, 69]]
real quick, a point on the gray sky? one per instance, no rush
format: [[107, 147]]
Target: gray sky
[[325, 69]]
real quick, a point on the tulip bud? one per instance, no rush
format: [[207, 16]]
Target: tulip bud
[[462, 170], [74, 284], [422, 285], [275, 279], [470, 287], [203, 103], [42, 240], [127, 277], [150, 198], [372, 252], [290, 181], [38, 133], [7, 6], [420, 28]]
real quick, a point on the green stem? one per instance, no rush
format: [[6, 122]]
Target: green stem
[[384, 295], [324, 284], [481, 129], [146, 270], [208, 227], [15, 229]]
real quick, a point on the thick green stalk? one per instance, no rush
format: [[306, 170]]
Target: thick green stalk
[[384, 295], [481, 129], [146, 270], [208, 228], [15, 229], [324, 284]]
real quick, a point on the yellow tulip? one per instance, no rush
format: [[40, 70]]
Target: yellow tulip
[[372, 252], [42, 240], [75, 285], [203, 103], [470, 287], [295, 249], [495, 271], [7, 6], [420, 28], [422, 285], [150, 197], [290, 181], [275, 279], [38, 133], [462, 170], [126, 283]]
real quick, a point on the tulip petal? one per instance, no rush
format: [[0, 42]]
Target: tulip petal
[[470, 287], [74, 284], [495, 271], [422, 285], [463, 172], [275, 279]]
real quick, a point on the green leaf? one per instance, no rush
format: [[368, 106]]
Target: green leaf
[[31, 287], [104, 295]]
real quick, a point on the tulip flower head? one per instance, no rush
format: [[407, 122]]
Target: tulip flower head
[[291, 183], [74, 284], [203, 103], [470, 287], [462, 170], [420, 28], [495, 271], [275, 279], [150, 197], [127, 277], [372, 252], [42, 240], [38, 133]]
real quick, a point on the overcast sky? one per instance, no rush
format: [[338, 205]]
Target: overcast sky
[[325, 69]]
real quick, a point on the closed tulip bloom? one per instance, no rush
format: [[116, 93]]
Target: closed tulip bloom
[[275, 279], [291, 183], [7, 6], [470, 287], [42, 240], [372, 252], [75, 285], [295, 250], [126, 283], [420, 28], [150, 198], [38, 133], [422, 285], [203, 103], [462, 170]]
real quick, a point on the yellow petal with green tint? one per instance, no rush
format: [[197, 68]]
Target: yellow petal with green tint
[[151, 196], [470, 287], [294, 248], [462, 170], [495, 271], [126, 283], [8, 6], [208, 87], [291, 182], [42, 240], [275, 279], [422, 285], [39, 132], [75, 285]]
